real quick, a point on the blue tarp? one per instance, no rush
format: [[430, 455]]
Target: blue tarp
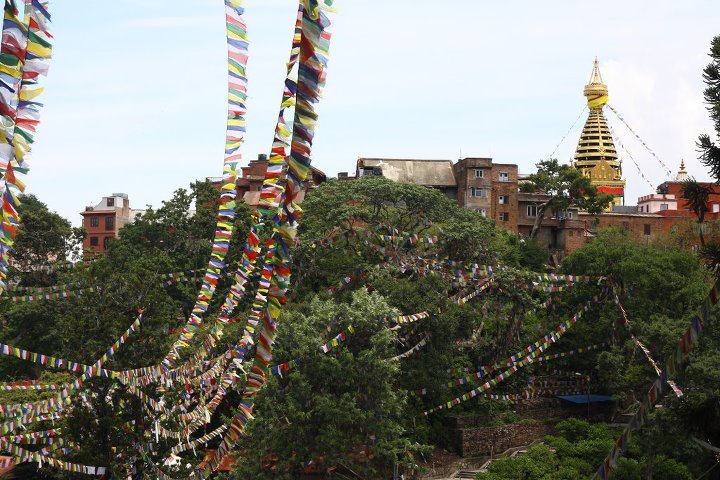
[[584, 398]]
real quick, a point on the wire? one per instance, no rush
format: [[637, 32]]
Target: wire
[[620, 144], [669, 172], [568, 132]]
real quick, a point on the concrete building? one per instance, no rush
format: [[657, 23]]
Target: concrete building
[[657, 202], [104, 220], [436, 174]]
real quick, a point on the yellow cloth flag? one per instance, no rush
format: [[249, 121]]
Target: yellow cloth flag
[[598, 102], [27, 95], [39, 50], [12, 71]]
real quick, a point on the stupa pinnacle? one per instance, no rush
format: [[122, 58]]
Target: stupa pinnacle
[[595, 155]]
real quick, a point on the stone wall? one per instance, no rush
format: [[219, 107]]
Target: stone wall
[[488, 441]]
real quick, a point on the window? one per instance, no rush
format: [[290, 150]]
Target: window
[[111, 202], [479, 173], [94, 221], [109, 223], [716, 208], [94, 241], [568, 215], [479, 192], [532, 210], [503, 200], [482, 212], [504, 217], [663, 206], [106, 242], [646, 229], [367, 171], [504, 177]]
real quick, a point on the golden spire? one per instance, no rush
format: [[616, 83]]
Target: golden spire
[[596, 91], [596, 156], [682, 174]]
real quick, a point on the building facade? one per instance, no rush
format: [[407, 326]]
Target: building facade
[[104, 220], [249, 183], [488, 188], [436, 174]]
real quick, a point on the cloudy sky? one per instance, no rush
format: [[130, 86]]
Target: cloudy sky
[[136, 96]]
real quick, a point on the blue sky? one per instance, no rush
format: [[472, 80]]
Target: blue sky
[[135, 99]]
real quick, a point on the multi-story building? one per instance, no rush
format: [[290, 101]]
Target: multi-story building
[[489, 188], [249, 183], [104, 220]]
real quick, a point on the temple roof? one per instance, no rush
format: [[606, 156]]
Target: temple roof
[[595, 155]]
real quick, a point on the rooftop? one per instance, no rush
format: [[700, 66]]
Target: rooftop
[[435, 173]]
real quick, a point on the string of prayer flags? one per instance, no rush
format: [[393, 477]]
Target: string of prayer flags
[[311, 78], [40, 290], [24, 52], [553, 337], [237, 43], [639, 344], [337, 340], [414, 349], [467, 298], [414, 317], [52, 296], [665, 167], [685, 344]]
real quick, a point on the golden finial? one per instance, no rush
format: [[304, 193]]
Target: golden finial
[[682, 173], [596, 91]]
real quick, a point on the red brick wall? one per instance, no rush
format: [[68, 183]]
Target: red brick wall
[[99, 232]]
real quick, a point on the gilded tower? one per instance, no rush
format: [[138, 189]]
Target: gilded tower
[[595, 155]]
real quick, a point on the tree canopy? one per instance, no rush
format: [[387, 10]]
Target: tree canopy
[[565, 187]]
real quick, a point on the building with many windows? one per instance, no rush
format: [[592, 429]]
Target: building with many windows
[[488, 188]]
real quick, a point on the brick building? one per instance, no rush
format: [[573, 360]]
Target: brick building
[[249, 183], [104, 220], [492, 189], [489, 188]]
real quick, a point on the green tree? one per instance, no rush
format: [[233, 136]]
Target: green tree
[[44, 237], [565, 187], [339, 410], [661, 288], [175, 237], [709, 150], [697, 197]]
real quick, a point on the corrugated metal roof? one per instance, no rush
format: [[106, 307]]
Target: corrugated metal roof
[[431, 173]]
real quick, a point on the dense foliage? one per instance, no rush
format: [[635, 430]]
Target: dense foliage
[[354, 410]]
